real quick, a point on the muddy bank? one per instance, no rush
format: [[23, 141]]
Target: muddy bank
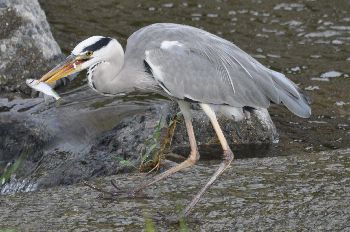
[[301, 192]]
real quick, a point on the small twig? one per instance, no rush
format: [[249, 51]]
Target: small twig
[[118, 194], [115, 184]]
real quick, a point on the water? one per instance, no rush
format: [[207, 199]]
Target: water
[[308, 41], [309, 192]]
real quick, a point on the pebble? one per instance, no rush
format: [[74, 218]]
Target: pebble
[[331, 74]]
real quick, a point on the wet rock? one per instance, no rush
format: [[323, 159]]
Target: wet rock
[[294, 193], [21, 144], [64, 145], [331, 74], [56, 151], [27, 47], [112, 152], [259, 129]]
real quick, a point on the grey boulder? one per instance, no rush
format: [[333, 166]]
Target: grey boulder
[[27, 48]]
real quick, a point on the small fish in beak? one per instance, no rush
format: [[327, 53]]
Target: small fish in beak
[[69, 66], [72, 64], [42, 87]]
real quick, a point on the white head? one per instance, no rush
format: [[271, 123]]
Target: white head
[[87, 53]]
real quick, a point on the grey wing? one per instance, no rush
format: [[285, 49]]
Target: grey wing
[[192, 63], [267, 84], [184, 74]]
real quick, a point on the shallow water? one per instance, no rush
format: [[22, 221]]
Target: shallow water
[[307, 40], [309, 192]]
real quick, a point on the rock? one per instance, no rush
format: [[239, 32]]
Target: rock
[[258, 130], [112, 152], [27, 47], [58, 151], [291, 193]]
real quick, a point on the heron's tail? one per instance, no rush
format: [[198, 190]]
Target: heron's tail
[[291, 96]]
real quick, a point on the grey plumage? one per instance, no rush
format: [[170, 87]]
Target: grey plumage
[[205, 68]]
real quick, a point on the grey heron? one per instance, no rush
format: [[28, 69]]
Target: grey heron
[[186, 64]]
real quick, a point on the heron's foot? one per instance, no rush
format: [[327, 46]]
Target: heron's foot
[[117, 193]]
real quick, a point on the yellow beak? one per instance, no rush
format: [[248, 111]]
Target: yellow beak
[[69, 66]]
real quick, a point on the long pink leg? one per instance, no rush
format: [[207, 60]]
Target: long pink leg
[[191, 160], [228, 157]]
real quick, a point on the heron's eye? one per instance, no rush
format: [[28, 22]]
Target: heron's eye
[[89, 53]]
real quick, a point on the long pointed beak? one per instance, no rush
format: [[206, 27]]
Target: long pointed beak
[[69, 66]]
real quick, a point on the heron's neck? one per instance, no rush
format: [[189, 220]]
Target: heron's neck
[[119, 77], [101, 75]]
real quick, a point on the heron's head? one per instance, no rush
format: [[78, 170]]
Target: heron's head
[[87, 53]]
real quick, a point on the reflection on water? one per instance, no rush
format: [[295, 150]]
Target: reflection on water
[[307, 40]]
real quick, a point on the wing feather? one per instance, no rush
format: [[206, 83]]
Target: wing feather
[[210, 69]]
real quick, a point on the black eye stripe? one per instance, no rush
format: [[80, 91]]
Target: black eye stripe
[[98, 44]]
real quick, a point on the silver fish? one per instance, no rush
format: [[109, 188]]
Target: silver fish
[[42, 87]]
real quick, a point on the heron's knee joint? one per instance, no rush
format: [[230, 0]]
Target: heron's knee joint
[[194, 157], [228, 156]]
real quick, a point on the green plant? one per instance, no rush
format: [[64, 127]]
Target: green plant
[[7, 230], [12, 168], [182, 222], [157, 146], [183, 226], [149, 225], [175, 119], [125, 162], [149, 154]]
